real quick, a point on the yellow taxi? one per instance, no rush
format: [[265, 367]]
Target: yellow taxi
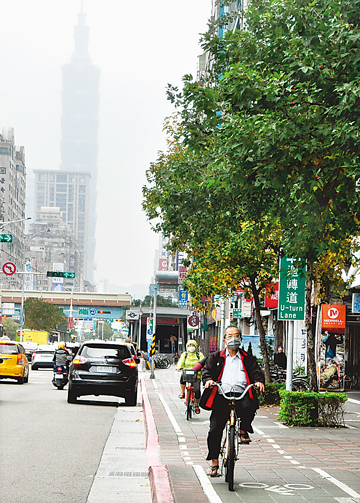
[[13, 361]]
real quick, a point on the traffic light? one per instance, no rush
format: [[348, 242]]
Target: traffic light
[[60, 274]]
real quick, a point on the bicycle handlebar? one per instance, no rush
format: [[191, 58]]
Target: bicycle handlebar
[[218, 384]]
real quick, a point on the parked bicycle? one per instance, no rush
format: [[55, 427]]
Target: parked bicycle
[[229, 451], [190, 378], [299, 382], [350, 381], [162, 361]]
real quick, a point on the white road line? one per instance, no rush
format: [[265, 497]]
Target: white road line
[[353, 401], [170, 415], [336, 482], [206, 485], [259, 432]]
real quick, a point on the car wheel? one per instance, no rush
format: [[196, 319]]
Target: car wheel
[[21, 380], [72, 397], [131, 398], [26, 379]]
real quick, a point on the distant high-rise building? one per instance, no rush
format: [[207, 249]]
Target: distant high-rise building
[[12, 205], [70, 192], [79, 125], [52, 246]]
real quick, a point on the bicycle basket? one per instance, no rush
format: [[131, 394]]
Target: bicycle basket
[[189, 376]]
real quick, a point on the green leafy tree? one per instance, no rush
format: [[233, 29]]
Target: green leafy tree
[[40, 315], [276, 127], [10, 328]]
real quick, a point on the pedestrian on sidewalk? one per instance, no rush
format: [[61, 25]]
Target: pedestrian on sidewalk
[[234, 367], [280, 358], [173, 340], [187, 361]]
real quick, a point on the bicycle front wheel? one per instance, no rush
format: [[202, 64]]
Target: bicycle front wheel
[[230, 462], [166, 363], [188, 404]]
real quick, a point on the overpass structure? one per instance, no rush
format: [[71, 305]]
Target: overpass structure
[[84, 305]]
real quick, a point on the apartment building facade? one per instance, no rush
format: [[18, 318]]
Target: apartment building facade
[[12, 205]]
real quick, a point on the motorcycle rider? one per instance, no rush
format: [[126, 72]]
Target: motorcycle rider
[[62, 356]]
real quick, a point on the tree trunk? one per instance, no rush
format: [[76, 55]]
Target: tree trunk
[[311, 336], [263, 345]]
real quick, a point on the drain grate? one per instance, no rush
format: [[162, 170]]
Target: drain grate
[[129, 474], [131, 448]]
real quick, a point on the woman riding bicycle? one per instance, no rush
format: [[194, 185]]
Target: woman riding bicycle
[[232, 366], [187, 361]]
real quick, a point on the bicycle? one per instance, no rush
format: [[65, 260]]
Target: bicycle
[[189, 377], [230, 447], [162, 361], [350, 381], [299, 383]]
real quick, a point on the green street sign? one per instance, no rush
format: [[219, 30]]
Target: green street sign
[[60, 274], [5, 238], [291, 291], [236, 312], [84, 311]]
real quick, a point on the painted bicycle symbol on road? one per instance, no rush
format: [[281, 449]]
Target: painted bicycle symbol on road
[[286, 490]]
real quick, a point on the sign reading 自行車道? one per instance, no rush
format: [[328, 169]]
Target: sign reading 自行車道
[[291, 291]]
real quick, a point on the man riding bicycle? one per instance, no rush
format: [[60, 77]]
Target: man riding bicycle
[[232, 366], [188, 360]]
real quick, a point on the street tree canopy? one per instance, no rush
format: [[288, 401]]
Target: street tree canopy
[[269, 135], [40, 315]]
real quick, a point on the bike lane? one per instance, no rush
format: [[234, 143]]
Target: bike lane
[[280, 464]]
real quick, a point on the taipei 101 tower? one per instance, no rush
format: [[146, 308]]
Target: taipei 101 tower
[[79, 146]]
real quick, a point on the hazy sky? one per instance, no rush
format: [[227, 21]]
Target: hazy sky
[[140, 46]]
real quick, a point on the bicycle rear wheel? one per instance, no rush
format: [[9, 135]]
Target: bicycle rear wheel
[[299, 384], [188, 404], [230, 461]]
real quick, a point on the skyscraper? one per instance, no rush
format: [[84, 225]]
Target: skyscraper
[[79, 126]]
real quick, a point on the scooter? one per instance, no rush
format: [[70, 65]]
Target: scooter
[[60, 378]]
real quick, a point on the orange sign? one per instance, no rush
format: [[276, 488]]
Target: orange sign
[[333, 318]]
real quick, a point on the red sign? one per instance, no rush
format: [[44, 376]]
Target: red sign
[[333, 318], [163, 264], [272, 299], [193, 321], [70, 323], [9, 268]]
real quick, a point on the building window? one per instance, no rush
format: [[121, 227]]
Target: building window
[[52, 178], [61, 178], [82, 189], [61, 187], [4, 150], [41, 177], [41, 186]]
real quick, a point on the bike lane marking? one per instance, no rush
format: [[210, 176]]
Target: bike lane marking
[[337, 482], [352, 400], [321, 472]]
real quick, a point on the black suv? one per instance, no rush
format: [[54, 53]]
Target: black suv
[[104, 368]]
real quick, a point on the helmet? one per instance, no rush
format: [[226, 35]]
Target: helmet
[[61, 345]]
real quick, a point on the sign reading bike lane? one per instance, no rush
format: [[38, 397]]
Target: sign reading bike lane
[[291, 291]]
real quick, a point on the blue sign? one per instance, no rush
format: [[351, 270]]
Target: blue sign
[[92, 312], [183, 297]]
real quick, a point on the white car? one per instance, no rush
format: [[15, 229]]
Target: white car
[[43, 357]]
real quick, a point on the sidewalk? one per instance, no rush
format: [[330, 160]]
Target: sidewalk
[[308, 464]]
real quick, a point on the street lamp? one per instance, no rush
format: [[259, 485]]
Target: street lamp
[[4, 224]]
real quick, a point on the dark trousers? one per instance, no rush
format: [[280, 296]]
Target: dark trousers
[[219, 416]]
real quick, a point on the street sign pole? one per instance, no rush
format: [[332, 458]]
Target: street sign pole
[[290, 351], [152, 351]]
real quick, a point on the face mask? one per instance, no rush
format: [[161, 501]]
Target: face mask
[[191, 349], [233, 343]]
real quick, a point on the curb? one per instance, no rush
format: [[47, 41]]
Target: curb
[[158, 473]]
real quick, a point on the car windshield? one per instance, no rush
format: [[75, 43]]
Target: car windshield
[[120, 352], [45, 352], [8, 349]]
